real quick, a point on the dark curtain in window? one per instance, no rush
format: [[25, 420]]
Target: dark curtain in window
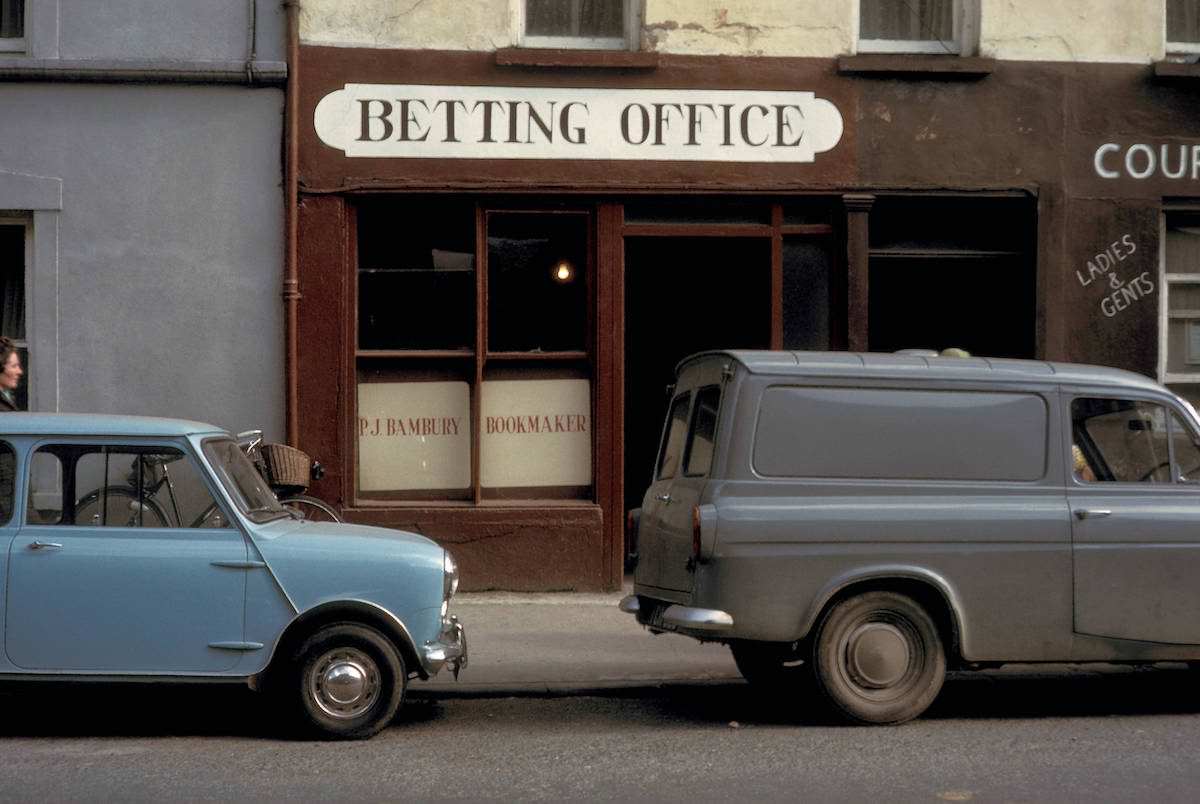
[[12, 282], [600, 18], [1183, 20], [12, 18], [907, 20]]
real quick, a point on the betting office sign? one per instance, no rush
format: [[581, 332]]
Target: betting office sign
[[539, 123]]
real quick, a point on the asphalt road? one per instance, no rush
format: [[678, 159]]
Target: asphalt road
[[1012, 737]]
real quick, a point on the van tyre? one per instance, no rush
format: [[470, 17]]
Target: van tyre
[[878, 658], [348, 680]]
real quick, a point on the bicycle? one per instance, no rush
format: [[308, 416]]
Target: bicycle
[[149, 476], [287, 471]]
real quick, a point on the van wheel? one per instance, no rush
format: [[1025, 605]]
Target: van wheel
[[348, 680], [878, 658]]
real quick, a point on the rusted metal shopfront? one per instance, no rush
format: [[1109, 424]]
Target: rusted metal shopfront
[[499, 266]]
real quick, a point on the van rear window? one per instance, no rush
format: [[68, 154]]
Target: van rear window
[[900, 434]]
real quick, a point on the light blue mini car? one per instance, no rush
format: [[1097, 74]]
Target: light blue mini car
[[144, 548]]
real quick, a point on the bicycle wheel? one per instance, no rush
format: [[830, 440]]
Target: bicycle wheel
[[120, 506], [311, 508]]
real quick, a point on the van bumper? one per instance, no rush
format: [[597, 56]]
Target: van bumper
[[661, 616]]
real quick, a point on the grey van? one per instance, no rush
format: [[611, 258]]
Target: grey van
[[867, 521]]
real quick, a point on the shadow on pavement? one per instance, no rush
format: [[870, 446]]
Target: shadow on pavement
[[45, 709]]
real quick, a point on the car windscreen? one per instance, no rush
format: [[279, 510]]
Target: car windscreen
[[245, 485]]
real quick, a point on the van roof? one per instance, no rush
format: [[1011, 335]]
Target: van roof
[[910, 364], [98, 424]]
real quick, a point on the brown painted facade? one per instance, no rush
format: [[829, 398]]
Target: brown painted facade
[[972, 194]]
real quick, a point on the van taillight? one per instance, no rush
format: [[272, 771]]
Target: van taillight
[[696, 532]]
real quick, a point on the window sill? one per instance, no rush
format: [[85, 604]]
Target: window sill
[[576, 59], [1176, 71], [916, 65]]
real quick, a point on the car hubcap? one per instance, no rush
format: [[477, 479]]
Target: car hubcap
[[877, 655], [344, 683]]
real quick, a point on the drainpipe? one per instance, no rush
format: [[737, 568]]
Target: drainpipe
[[291, 289]]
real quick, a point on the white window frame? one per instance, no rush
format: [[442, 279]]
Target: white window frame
[[965, 27], [631, 41], [1166, 282], [18, 44], [1177, 48]]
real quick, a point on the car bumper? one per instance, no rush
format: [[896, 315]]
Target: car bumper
[[448, 650], [660, 616]]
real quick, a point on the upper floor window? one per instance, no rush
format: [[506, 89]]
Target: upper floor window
[[12, 26], [1183, 27], [600, 24], [14, 250], [915, 26]]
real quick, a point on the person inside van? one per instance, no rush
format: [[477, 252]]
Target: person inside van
[[1082, 470]]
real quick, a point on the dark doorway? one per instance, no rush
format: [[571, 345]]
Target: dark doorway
[[954, 271], [683, 295]]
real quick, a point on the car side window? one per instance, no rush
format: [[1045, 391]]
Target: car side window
[[1120, 440], [672, 448], [8, 476], [703, 433], [117, 486]]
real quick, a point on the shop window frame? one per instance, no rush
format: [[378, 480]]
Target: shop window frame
[[1168, 280], [964, 39], [477, 362], [632, 11], [1178, 49]]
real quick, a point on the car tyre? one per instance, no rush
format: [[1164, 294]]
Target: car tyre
[[350, 681], [878, 658]]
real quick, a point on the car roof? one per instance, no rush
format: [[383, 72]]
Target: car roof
[[919, 364], [99, 424]]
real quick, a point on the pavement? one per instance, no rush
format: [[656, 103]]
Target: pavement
[[569, 643]]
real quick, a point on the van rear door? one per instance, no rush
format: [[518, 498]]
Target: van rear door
[[685, 456]]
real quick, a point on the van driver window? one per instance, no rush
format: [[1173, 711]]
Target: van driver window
[[672, 449], [1120, 440], [1187, 451]]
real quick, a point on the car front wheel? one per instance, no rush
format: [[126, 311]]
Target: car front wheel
[[878, 658], [350, 681]]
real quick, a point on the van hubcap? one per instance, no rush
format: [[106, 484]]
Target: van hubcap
[[344, 683], [877, 655]]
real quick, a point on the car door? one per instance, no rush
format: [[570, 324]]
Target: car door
[[666, 533], [1135, 519], [124, 563]]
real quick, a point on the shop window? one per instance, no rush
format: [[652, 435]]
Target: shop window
[[599, 24], [1179, 325], [485, 391], [14, 240], [1183, 28], [916, 26], [12, 25], [536, 282], [953, 271]]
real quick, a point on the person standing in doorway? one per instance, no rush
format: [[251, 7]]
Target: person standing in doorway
[[10, 374]]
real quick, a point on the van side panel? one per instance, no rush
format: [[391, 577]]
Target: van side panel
[[1000, 549]]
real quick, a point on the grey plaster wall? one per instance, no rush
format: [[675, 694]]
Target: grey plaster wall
[[156, 286], [168, 29]]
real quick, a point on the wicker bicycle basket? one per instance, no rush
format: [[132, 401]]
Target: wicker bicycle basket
[[286, 466]]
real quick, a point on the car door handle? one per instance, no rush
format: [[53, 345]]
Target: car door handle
[[40, 545], [1092, 513], [663, 497]]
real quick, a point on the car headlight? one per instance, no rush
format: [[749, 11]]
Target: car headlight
[[450, 576]]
